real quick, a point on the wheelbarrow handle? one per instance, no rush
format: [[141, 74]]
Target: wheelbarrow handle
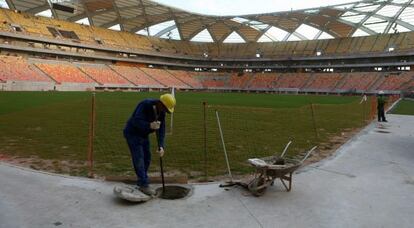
[[286, 147], [309, 152]]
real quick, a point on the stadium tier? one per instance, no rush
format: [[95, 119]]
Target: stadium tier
[[213, 83], [187, 78], [59, 29], [324, 82], [263, 81], [165, 78], [63, 72], [293, 80], [212, 79], [136, 76], [358, 81], [57, 50], [240, 80], [17, 69], [37, 70], [395, 81], [103, 75]]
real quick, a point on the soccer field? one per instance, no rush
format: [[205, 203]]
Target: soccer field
[[404, 107], [49, 130]]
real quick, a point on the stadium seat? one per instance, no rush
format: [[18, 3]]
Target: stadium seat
[[263, 81], [164, 77], [239, 81], [395, 81], [38, 26], [103, 74], [185, 77], [64, 72], [18, 69], [358, 81], [292, 80], [213, 83], [324, 81], [212, 79], [136, 76]]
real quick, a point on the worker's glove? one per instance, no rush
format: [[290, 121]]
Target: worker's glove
[[155, 125], [160, 151]]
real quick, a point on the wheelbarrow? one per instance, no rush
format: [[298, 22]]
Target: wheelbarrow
[[268, 169]]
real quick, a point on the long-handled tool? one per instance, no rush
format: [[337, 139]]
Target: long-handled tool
[[224, 147], [161, 165]]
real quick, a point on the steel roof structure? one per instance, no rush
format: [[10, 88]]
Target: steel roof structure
[[369, 17]]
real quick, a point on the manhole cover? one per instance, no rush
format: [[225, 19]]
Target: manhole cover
[[172, 192]]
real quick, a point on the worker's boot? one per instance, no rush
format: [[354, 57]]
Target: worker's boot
[[147, 191]]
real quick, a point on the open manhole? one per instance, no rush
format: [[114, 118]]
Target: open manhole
[[173, 192]]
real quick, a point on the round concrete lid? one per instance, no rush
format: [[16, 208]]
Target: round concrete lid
[[130, 193]]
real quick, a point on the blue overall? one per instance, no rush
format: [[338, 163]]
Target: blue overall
[[136, 134]]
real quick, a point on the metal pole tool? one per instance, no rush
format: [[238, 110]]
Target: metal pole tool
[[161, 164]]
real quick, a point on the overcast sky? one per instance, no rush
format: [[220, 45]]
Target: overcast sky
[[238, 7]]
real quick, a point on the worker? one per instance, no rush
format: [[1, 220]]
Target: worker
[[381, 100], [148, 117]]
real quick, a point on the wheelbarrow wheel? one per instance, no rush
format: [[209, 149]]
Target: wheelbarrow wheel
[[258, 186]]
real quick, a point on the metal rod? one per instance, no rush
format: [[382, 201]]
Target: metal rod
[[154, 108], [309, 152], [91, 136], [205, 139], [162, 175], [286, 147], [224, 145]]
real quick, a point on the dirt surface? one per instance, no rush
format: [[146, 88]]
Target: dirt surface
[[328, 148], [54, 166]]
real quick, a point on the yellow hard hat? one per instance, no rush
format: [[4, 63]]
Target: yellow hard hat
[[168, 101]]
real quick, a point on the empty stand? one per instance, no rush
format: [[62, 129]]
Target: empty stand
[[164, 77], [31, 24], [324, 81], [64, 72], [38, 26], [292, 80], [240, 81], [409, 85], [4, 21], [213, 83], [187, 78], [263, 81], [103, 74], [136, 76], [18, 69], [212, 79], [395, 81], [358, 81]]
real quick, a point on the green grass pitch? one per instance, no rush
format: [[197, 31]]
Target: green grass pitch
[[51, 128], [404, 107]]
